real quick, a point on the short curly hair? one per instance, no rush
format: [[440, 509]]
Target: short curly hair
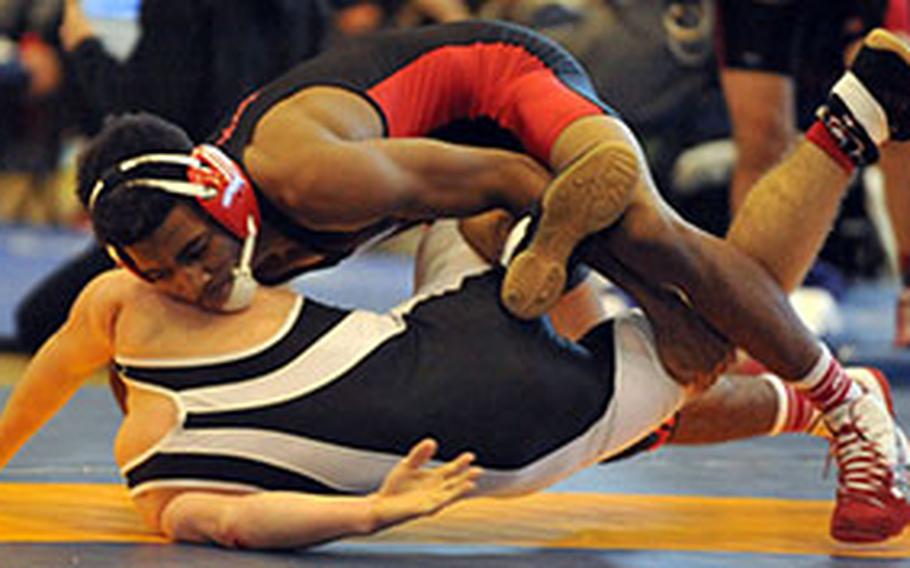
[[122, 216]]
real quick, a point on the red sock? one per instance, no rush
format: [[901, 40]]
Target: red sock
[[819, 135], [795, 412], [827, 385], [802, 416]]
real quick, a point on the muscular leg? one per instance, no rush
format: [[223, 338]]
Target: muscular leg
[[737, 407], [897, 185], [730, 290], [897, 193], [742, 301], [788, 213]]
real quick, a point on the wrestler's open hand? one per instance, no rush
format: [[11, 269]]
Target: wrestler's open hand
[[412, 490]]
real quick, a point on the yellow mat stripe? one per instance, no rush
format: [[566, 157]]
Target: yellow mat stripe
[[102, 513]]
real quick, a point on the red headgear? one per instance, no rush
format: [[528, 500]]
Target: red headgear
[[217, 183], [235, 201], [219, 186]]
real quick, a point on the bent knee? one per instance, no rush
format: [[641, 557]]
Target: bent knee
[[583, 134]]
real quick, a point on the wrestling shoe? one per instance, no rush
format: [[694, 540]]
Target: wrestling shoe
[[874, 382], [590, 195], [804, 417], [871, 102], [883, 67], [902, 319], [871, 505]]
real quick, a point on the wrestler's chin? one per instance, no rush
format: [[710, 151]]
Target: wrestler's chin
[[214, 298]]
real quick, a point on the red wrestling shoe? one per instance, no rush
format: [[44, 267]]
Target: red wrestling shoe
[[874, 382], [871, 495]]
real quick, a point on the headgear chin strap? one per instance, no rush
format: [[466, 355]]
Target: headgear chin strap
[[243, 285], [219, 186]]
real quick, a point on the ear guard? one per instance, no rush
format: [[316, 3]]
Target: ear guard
[[220, 187]]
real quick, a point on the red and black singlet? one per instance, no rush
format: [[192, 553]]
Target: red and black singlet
[[481, 83]]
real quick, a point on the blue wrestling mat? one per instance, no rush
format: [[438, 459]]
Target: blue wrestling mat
[[759, 503]]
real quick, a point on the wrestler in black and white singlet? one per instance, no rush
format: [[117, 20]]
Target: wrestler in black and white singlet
[[337, 397]]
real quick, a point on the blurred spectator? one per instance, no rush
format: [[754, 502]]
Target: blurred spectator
[[21, 17], [195, 59], [193, 62], [776, 60], [654, 61], [358, 17], [32, 119], [664, 87], [42, 64]]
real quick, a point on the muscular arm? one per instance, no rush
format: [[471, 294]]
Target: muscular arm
[[281, 519], [321, 158], [355, 184], [62, 364], [277, 519]]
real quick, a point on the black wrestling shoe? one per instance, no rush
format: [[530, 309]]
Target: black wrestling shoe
[[883, 67], [870, 104]]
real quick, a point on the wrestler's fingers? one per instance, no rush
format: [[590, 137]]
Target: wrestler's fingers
[[464, 487], [469, 475], [451, 493], [459, 464], [420, 454]]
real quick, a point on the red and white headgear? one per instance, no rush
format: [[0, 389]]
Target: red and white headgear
[[220, 187]]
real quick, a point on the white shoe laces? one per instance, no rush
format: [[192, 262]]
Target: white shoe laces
[[861, 466], [864, 467]]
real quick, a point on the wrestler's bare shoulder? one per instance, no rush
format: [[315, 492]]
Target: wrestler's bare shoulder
[[152, 325], [113, 287], [293, 143]]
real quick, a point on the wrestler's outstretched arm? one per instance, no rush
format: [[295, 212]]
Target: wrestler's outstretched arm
[[78, 349], [282, 520]]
